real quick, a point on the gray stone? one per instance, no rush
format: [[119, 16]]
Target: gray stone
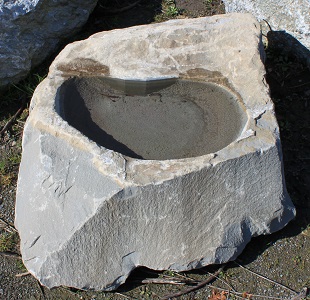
[[291, 16], [190, 192], [30, 31]]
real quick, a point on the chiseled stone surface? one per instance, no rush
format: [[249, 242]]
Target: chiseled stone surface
[[290, 15], [87, 216], [30, 31]]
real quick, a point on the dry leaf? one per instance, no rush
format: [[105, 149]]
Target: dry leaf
[[246, 295], [216, 295]]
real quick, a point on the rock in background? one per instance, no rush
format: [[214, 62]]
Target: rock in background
[[30, 31], [291, 16]]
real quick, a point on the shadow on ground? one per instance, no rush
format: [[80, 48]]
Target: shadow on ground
[[288, 76]]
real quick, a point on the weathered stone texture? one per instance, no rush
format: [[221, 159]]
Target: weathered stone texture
[[87, 215], [291, 16], [30, 31]]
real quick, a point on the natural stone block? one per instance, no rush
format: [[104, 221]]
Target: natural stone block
[[151, 146]]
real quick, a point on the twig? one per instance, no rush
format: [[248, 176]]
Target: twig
[[266, 278], [23, 274], [268, 25], [194, 288], [10, 254], [225, 282], [13, 119], [240, 295], [120, 294], [119, 10], [8, 229], [303, 294], [296, 86], [8, 224], [170, 280], [163, 281], [186, 278], [183, 278]]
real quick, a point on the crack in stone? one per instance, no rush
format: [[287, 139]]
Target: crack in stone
[[34, 242]]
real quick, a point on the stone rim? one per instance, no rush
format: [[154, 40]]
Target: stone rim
[[256, 135]]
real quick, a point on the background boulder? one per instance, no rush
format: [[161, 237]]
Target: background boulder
[[291, 16], [30, 31]]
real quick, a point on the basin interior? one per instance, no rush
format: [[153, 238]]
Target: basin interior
[[157, 120]]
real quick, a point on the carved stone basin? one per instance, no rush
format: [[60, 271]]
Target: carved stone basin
[[176, 164], [159, 119]]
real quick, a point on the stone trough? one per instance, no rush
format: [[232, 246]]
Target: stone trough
[[155, 120], [150, 146]]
